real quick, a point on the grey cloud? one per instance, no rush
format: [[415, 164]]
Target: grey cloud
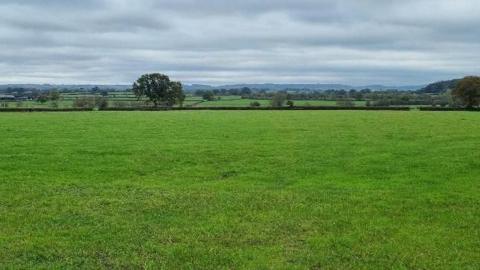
[[217, 41]]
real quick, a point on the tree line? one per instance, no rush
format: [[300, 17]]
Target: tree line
[[161, 91]]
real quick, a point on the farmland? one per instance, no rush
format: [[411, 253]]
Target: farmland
[[127, 99], [240, 190]]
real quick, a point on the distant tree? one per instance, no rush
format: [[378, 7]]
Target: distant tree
[[208, 95], [177, 93], [467, 91], [278, 100], [199, 93], [245, 91], [54, 95], [95, 89], [159, 89], [365, 91], [290, 103], [104, 93]]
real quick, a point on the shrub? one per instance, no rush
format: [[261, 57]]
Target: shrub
[[209, 96], [381, 103], [54, 104], [84, 102], [290, 103], [345, 103], [118, 104], [279, 99], [255, 104], [101, 103]]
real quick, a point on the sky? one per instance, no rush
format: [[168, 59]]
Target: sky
[[356, 42]]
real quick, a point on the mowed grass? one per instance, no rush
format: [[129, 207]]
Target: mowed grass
[[240, 190]]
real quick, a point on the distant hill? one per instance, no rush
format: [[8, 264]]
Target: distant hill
[[65, 86], [439, 87], [195, 87], [299, 87]]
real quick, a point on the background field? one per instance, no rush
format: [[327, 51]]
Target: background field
[[127, 99], [240, 189]]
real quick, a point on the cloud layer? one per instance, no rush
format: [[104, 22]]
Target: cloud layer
[[249, 41]]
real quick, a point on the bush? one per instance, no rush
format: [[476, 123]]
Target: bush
[[101, 103], [279, 99], [54, 104], [290, 103], [345, 103], [84, 102], [381, 103], [42, 98], [209, 96], [255, 104], [120, 104], [90, 102]]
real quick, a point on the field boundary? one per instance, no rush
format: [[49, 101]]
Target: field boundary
[[294, 108], [45, 109], [433, 109]]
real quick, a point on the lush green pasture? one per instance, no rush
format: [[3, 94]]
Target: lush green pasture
[[240, 190]]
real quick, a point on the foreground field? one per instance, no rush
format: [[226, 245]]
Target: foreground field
[[256, 190]]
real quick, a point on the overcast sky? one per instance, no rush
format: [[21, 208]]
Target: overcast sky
[[395, 42]]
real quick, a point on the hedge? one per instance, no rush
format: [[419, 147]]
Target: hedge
[[45, 109], [440, 109], [295, 108]]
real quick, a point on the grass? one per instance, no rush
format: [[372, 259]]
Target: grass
[[240, 190]]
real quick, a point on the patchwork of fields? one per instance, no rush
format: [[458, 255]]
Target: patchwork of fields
[[124, 99], [240, 190]]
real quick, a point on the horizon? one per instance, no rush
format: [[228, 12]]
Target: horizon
[[218, 85]]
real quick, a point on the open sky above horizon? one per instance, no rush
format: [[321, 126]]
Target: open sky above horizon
[[356, 42]]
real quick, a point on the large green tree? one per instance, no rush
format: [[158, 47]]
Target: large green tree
[[467, 91], [159, 89]]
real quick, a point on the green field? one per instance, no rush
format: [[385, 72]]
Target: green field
[[240, 190]]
